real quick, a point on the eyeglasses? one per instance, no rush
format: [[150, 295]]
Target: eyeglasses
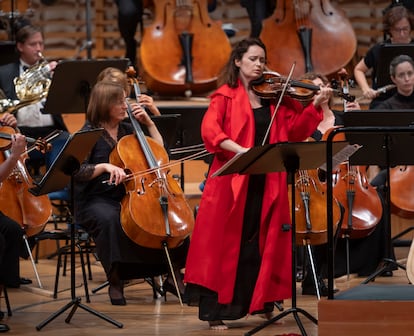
[[401, 30]]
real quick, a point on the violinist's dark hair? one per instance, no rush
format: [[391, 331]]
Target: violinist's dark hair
[[230, 72], [395, 14], [105, 94], [397, 61]]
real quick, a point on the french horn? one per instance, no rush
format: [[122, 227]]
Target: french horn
[[31, 87]]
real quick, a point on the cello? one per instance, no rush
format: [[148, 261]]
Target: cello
[[361, 203], [30, 211], [154, 211], [401, 187], [312, 33], [183, 50], [310, 209]]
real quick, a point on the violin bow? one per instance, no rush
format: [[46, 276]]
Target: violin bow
[[278, 103]]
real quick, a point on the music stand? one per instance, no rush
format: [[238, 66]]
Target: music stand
[[168, 127], [72, 83], [8, 52], [59, 175], [386, 146], [279, 157], [386, 54]]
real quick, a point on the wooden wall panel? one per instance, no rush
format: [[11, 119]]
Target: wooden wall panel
[[64, 24]]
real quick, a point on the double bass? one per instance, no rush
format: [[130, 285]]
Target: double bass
[[312, 33], [154, 211], [183, 50]]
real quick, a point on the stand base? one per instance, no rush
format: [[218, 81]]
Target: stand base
[[294, 311], [75, 303], [384, 267]]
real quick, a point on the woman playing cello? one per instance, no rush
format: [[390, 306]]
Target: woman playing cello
[[98, 205], [239, 260]]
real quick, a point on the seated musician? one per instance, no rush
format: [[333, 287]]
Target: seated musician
[[30, 119], [366, 253], [11, 234], [98, 204], [402, 75], [117, 76]]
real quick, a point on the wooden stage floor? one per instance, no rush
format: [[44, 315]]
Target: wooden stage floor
[[142, 315]]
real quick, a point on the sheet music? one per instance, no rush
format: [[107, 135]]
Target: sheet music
[[342, 155]]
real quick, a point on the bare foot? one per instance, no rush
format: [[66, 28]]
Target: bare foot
[[217, 325]]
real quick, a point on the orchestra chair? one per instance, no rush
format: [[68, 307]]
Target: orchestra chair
[[6, 299], [61, 202]]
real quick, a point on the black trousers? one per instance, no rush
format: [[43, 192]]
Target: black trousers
[[11, 247], [129, 15]]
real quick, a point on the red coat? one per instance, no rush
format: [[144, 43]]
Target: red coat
[[215, 242]]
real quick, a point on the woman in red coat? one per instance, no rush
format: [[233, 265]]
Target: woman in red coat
[[239, 261]]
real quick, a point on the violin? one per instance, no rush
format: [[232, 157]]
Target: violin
[[6, 133], [270, 85], [16, 201]]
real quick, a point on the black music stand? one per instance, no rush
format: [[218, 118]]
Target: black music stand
[[8, 53], [167, 125], [279, 157], [387, 52], [72, 83], [386, 146], [56, 178]]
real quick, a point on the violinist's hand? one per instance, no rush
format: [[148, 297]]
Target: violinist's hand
[[370, 93], [117, 175], [323, 96], [8, 119], [148, 102], [18, 145], [352, 106]]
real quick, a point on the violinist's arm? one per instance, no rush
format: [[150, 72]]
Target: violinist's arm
[[18, 146], [359, 73], [232, 146]]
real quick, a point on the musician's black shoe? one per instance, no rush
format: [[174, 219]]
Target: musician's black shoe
[[308, 287], [4, 328], [169, 287], [25, 281], [1, 315], [387, 273]]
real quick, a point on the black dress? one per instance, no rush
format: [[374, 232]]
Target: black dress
[[249, 259], [98, 211]]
